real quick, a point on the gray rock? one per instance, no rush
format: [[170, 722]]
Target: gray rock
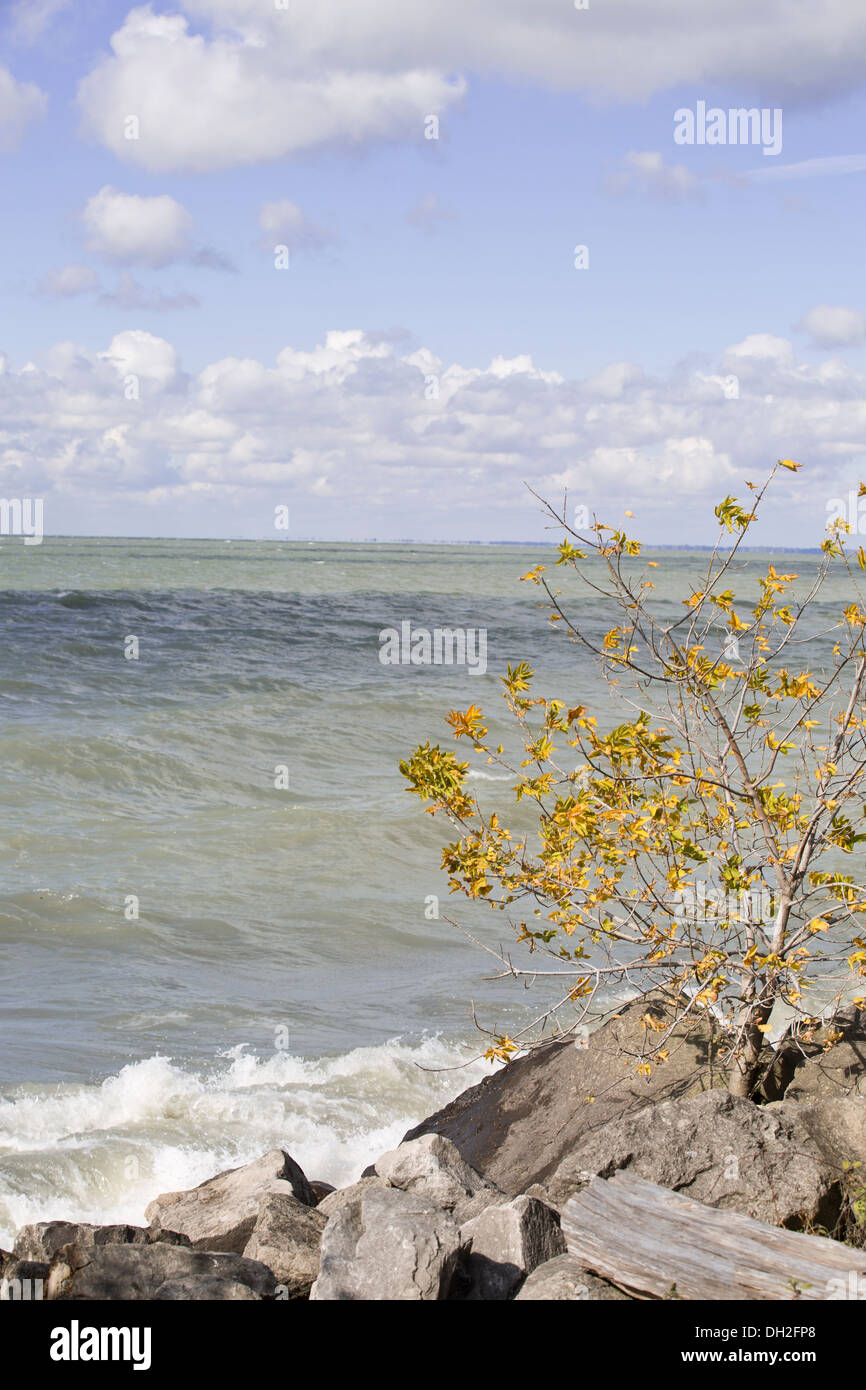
[[827, 1070], [431, 1166], [837, 1124], [507, 1242], [387, 1245], [518, 1125], [564, 1279], [286, 1238], [42, 1240], [220, 1214], [763, 1161], [131, 1273], [344, 1196]]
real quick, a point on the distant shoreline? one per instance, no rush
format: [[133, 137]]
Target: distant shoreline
[[439, 545]]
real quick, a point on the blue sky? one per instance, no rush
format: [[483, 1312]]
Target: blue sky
[[164, 377]]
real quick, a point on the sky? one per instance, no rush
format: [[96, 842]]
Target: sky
[[325, 257]]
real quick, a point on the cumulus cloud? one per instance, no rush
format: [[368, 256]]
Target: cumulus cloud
[[645, 171], [239, 99], [20, 103], [832, 326], [68, 281], [355, 420], [129, 230], [283, 223], [254, 82]]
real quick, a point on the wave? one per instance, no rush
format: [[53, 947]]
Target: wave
[[100, 1152]]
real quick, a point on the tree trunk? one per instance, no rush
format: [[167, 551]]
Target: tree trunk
[[746, 1064]]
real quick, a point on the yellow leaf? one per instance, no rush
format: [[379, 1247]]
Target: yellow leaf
[[789, 463], [818, 924]]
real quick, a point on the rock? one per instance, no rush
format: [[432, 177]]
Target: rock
[[343, 1196], [517, 1126], [23, 1280], [387, 1245], [763, 1161], [838, 1129], [507, 1242], [321, 1190], [838, 1125], [42, 1240], [220, 1214], [565, 1279], [162, 1272], [432, 1166], [830, 1071], [286, 1238]]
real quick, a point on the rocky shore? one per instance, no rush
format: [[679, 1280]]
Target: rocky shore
[[475, 1202]]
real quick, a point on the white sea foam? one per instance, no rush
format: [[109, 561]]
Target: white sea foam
[[101, 1152]]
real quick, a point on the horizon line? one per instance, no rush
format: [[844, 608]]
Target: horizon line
[[402, 540]]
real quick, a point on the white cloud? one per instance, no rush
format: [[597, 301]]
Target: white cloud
[[68, 281], [252, 101], [824, 167], [143, 355], [269, 82], [283, 222], [352, 421], [834, 326], [20, 103], [130, 230], [646, 172]]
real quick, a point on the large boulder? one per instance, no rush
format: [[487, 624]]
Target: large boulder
[[131, 1273], [507, 1242], [774, 1163], [830, 1062], [431, 1166], [286, 1238], [517, 1125], [344, 1196], [42, 1240], [220, 1214], [388, 1245], [564, 1279]]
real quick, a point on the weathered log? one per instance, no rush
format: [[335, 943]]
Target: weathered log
[[654, 1243]]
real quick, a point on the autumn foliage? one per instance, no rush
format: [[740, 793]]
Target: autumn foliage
[[736, 771]]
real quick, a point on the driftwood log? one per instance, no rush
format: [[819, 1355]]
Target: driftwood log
[[654, 1243]]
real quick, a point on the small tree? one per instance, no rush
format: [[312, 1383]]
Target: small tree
[[697, 844]]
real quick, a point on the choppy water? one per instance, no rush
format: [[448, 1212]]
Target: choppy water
[[281, 984]]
